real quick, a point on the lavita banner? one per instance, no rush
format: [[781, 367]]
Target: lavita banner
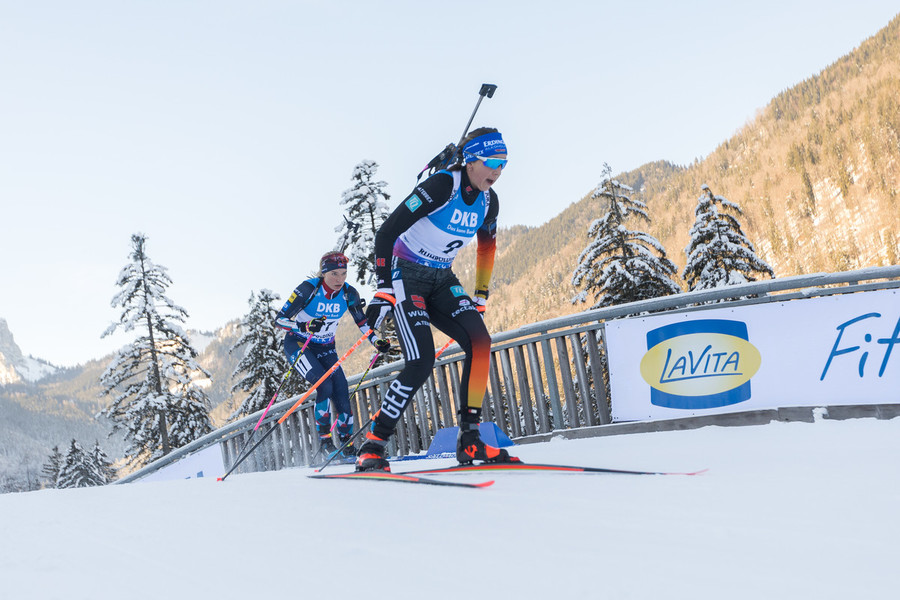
[[841, 349]]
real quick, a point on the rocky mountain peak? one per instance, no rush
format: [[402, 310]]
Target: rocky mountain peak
[[14, 367], [10, 355], [8, 347]]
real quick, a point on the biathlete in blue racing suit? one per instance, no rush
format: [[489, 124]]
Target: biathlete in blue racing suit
[[312, 313]]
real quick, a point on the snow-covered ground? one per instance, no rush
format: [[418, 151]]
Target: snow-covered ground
[[799, 510]]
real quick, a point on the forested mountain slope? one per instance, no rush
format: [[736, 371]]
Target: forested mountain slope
[[816, 172]]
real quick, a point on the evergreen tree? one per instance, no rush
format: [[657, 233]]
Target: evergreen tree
[[620, 265], [50, 469], [264, 364], [75, 471], [101, 467], [719, 253], [366, 209], [155, 399]]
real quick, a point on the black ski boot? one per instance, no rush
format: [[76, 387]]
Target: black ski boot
[[469, 445], [349, 450], [326, 447], [372, 454]]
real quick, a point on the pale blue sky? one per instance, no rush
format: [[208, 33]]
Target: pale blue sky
[[226, 131]]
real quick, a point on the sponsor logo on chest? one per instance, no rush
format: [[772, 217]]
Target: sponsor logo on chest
[[329, 308], [464, 218]]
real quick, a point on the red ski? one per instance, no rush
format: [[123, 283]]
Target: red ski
[[520, 466], [401, 477]]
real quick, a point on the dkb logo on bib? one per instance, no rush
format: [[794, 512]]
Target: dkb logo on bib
[[467, 219]]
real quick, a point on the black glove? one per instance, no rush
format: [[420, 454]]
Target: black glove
[[382, 346], [382, 303], [315, 325]]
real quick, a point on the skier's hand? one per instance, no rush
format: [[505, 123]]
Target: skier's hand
[[382, 346], [315, 325], [382, 303], [480, 299]]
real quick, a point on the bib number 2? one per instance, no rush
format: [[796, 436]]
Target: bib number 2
[[454, 245]]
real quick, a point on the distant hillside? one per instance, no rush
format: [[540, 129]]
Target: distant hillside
[[533, 268], [817, 173], [34, 417]]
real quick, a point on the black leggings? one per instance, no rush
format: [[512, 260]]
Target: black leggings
[[427, 296]]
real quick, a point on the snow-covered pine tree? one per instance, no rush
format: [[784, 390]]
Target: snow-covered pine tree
[[264, 365], [366, 208], [155, 399], [719, 254], [75, 471], [620, 265], [100, 465], [50, 469]]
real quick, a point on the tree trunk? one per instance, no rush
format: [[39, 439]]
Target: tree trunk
[[163, 427]]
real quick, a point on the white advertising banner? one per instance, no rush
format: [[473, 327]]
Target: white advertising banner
[[203, 463], [842, 349]]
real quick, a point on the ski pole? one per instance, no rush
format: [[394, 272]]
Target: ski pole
[[371, 364], [272, 401], [366, 424], [444, 347], [283, 381], [353, 393], [295, 406], [262, 439], [355, 435], [248, 453], [449, 153], [349, 441], [325, 376]]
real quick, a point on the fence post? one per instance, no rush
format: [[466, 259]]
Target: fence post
[[552, 385], [566, 373]]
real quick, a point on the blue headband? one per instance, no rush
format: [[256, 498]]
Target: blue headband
[[484, 146]]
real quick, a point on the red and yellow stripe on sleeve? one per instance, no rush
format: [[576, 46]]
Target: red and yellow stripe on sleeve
[[484, 259]]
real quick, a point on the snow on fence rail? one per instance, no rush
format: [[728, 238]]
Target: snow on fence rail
[[545, 376]]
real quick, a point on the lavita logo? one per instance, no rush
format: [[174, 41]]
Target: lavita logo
[[699, 364]]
